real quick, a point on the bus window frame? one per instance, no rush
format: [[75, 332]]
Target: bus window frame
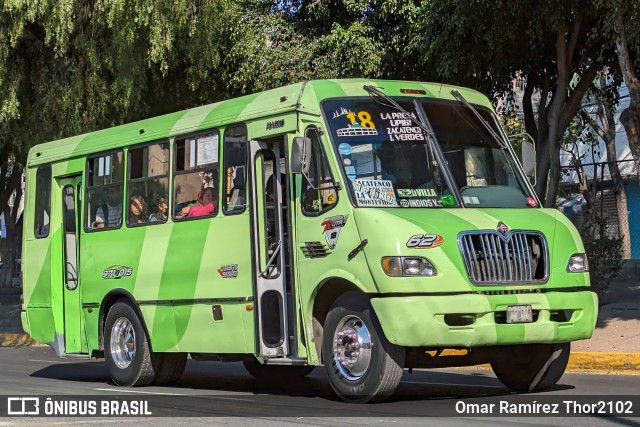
[[87, 188], [174, 172], [125, 207], [333, 179], [247, 165], [47, 206]]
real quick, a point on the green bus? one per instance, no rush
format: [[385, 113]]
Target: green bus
[[369, 226]]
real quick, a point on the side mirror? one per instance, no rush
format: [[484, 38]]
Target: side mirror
[[528, 154], [300, 154]]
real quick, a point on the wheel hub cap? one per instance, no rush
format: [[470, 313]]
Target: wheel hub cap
[[352, 348], [123, 343]]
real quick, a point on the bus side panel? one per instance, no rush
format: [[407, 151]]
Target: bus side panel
[[101, 253], [207, 264], [224, 334]]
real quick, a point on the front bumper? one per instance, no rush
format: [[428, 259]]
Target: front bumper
[[419, 321]]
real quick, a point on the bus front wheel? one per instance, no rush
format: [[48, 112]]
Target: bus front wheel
[[531, 367], [127, 354], [362, 365]]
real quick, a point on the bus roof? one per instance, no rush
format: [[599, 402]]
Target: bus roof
[[305, 96]]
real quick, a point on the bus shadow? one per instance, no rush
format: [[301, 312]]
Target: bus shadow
[[203, 378]]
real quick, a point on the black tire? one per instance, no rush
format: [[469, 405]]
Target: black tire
[[271, 372], [363, 375], [170, 368], [139, 368], [531, 367]]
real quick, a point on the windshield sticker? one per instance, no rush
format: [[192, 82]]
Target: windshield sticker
[[360, 125], [117, 272], [419, 192], [332, 227], [471, 200], [425, 241], [229, 271], [447, 200], [331, 199], [347, 162], [531, 202], [374, 193], [344, 149], [419, 203], [400, 127]]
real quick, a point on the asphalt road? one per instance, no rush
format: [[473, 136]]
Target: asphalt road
[[226, 394]]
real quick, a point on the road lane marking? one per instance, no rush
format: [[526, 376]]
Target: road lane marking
[[139, 392], [51, 361]]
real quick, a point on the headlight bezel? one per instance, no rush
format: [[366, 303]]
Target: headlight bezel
[[578, 263], [407, 266]]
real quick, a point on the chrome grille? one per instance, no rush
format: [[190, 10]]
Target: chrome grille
[[517, 257]]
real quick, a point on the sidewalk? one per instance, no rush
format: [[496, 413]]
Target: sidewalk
[[614, 347], [615, 344]]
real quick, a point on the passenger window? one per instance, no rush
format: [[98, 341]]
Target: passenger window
[[195, 183], [105, 174], [318, 191], [148, 184], [235, 170], [43, 201]]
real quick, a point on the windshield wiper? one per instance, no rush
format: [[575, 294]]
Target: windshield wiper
[[376, 94], [457, 95]]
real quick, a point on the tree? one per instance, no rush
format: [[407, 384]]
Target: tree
[[69, 67], [624, 19], [602, 123], [558, 46]]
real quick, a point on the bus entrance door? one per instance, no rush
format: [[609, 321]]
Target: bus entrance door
[[71, 189], [269, 250]]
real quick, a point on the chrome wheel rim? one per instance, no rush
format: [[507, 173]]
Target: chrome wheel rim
[[123, 343], [352, 348]]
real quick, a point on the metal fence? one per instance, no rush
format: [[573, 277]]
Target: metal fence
[[620, 210]]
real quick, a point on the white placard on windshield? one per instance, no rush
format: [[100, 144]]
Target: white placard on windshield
[[208, 150], [374, 193]]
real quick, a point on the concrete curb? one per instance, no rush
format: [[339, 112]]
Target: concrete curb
[[618, 363], [17, 340]]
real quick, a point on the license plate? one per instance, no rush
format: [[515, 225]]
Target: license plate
[[519, 314]]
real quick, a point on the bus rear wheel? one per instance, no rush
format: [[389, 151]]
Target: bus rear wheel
[[127, 354], [531, 367], [270, 372], [362, 365]]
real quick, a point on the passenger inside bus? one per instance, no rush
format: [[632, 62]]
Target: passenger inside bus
[[109, 214], [161, 214], [136, 210], [204, 204]]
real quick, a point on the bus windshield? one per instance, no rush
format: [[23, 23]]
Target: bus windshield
[[389, 161], [387, 158], [484, 170]]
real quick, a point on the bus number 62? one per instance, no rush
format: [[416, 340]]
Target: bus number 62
[[425, 241]]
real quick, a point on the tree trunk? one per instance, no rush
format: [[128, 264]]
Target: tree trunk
[[605, 112], [632, 124]]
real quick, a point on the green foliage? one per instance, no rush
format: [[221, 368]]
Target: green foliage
[[604, 253]]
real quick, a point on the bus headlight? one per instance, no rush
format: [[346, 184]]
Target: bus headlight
[[578, 263], [407, 266]]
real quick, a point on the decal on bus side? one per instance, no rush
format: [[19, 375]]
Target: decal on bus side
[[425, 241], [332, 227], [117, 272]]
